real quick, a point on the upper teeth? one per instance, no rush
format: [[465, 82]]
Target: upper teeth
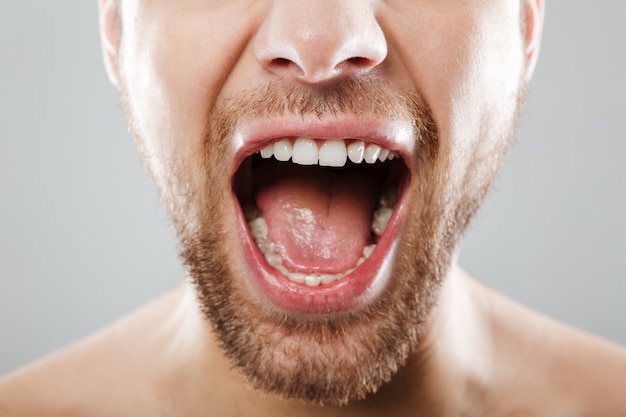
[[332, 153]]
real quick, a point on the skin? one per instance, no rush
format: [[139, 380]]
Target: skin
[[479, 353]]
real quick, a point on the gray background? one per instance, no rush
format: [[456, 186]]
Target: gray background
[[83, 239]]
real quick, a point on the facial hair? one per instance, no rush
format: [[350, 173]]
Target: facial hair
[[331, 359]]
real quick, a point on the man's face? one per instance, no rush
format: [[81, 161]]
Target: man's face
[[260, 122]]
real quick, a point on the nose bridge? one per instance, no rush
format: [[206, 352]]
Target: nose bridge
[[317, 40]]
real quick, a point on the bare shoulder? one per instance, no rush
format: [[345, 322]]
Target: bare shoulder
[[82, 379], [551, 366], [594, 370]]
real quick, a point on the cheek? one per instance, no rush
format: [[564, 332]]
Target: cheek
[[174, 61], [466, 59]]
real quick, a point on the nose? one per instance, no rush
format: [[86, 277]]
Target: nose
[[315, 41]]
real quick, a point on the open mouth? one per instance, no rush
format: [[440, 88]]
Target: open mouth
[[320, 219]]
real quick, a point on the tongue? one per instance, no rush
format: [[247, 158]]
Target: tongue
[[319, 219]]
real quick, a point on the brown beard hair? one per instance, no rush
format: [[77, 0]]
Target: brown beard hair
[[341, 358]]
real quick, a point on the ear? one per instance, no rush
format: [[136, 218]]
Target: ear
[[532, 33], [109, 37]]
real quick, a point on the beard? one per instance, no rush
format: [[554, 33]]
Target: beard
[[332, 359]]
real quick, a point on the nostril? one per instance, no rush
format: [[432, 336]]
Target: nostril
[[285, 66], [358, 61], [281, 62]]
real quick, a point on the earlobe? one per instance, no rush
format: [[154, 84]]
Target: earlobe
[[532, 37], [109, 38]]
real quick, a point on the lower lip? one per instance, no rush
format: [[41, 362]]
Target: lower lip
[[352, 292]]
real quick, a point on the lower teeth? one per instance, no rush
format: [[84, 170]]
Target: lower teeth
[[381, 219], [260, 233]]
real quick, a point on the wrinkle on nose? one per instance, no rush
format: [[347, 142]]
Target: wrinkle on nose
[[319, 40]]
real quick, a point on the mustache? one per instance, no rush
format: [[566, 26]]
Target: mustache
[[359, 97]]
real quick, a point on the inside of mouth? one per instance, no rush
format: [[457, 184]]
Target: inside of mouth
[[316, 224]]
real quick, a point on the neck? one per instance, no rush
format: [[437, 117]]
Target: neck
[[449, 365]]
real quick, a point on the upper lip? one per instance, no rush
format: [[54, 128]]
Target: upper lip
[[252, 136]]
